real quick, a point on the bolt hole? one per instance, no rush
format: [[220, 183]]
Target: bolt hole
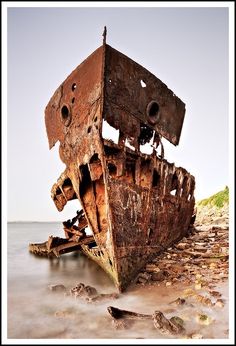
[[95, 119], [89, 129], [110, 262], [73, 87], [73, 100], [143, 84]]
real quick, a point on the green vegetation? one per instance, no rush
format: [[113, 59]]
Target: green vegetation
[[219, 199]]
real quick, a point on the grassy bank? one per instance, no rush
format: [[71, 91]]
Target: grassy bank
[[218, 200]]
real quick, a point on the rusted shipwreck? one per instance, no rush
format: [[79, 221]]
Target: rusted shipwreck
[[136, 204]]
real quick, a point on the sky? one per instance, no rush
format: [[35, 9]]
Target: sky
[[187, 48]]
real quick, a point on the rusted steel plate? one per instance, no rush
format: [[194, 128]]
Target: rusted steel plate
[[132, 93], [72, 108]]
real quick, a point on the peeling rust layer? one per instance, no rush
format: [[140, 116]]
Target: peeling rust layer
[[135, 204]]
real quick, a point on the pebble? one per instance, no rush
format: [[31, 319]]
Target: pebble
[[219, 303], [177, 320], [158, 276], [215, 293], [198, 286], [203, 319], [189, 292], [64, 314], [196, 336], [57, 288], [198, 276]]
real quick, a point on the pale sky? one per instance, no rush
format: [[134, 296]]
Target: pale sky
[[187, 48]]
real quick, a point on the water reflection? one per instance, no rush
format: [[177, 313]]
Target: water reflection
[[80, 267]]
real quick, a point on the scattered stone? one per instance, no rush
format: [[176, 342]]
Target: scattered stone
[[204, 300], [178, 301], [204, 253], [152, 268], [120, 324], [57, 288], [142, 280], [215, 293], [82, 291], [198, 276], [169, 310], [158, 276], [203, 319], [102, 297], [196, 336], [168, 283], [167, 326], [177, 321], [181, 246], [198, 286], [143, 277], [64, 314], [189, 292], [219, 303], [90, 294]]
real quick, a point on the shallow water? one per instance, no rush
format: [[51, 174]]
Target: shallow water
[[36, 312]]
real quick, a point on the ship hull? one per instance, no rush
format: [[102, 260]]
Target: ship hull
[[135, 204], [140, 210]]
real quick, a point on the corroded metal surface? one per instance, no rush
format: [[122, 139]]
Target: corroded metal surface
[[135, 204], [134, 93]]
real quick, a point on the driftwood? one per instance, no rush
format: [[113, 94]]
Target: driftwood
[[172, 326]]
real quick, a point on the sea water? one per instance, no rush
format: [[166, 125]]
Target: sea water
[[35, 312]]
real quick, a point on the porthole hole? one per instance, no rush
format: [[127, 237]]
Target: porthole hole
[[153, 111], [73, 87], [89, 129], [65, 115], [64, 112]]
